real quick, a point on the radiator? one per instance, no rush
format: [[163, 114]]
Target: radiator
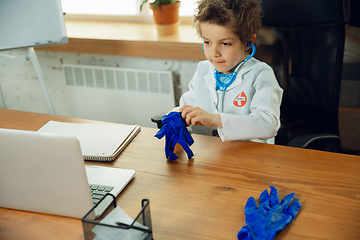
[[120, 95]]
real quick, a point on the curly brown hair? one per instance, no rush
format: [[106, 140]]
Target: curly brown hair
[[242, 17]]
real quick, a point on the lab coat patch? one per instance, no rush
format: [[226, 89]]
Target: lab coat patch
[[240, 100]]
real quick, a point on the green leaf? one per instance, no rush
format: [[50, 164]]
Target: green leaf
[[142, 4], [156, 4]]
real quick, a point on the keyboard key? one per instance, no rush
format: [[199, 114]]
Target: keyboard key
[[98, 197], [98, 193]]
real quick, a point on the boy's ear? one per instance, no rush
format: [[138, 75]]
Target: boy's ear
[[252, 40]]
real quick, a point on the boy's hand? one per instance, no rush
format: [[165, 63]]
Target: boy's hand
[[198, 117]]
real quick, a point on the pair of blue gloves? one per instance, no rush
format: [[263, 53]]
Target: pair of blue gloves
[[175, 131], [271, 216], [263, 222]]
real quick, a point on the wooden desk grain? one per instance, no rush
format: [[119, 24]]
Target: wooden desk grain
[[204, 198]]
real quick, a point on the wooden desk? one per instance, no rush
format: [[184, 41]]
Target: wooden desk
[[204, 198]]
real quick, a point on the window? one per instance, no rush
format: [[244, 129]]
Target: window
[[117, 7]]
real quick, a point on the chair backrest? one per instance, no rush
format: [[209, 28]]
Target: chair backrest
[[307, 61]]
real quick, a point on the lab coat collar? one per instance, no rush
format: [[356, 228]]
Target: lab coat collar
[[240, 76], [210, 79], [211, 84]]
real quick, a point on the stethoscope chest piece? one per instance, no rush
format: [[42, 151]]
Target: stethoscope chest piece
[[224, 80]]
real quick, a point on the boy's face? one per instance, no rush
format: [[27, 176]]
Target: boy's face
[[222, 47]]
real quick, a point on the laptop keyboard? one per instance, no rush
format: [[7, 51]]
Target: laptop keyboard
[[98, 192]]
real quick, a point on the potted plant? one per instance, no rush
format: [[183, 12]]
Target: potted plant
[[166, 15]]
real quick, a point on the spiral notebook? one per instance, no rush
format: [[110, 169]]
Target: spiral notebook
[[98, 142]]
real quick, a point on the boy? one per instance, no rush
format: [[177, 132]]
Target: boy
[[231, 91]]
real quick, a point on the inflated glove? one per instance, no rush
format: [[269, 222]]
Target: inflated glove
[[175, 131], [271, 216]]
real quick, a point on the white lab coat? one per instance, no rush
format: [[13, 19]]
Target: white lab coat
[[251, 105]]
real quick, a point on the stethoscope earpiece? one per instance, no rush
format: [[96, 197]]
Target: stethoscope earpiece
[[252, 52]]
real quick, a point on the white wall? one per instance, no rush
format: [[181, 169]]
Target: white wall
[[22, 90]]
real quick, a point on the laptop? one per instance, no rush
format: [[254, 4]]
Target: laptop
[[43, 172]]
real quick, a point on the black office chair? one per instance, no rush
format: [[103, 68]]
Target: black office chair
[[307, 61], [308, 58]]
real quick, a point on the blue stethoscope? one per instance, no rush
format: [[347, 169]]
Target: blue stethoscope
[[224, 80]]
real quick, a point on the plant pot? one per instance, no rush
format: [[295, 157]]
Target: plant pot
[[167, 29], [166, 17]]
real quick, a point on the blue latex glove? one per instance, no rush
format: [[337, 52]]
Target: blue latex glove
[[271, 216], [175, 131]]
